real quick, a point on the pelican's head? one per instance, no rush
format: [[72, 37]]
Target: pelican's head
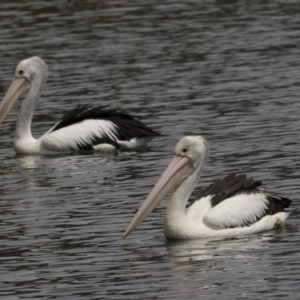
[[29, 72], [32, 69], [195, 148], [191, 154]]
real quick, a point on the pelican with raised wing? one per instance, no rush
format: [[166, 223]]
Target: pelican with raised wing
[[233, 206], [83, 128]]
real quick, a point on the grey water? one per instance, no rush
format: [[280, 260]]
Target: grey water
[[228, 70]]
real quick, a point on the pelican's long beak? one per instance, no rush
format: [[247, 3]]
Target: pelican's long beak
[[19, 86], [179, 169]]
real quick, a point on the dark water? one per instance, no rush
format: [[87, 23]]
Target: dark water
[[228, 70]]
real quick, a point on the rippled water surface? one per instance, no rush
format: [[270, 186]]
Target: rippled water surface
[[228, 70]]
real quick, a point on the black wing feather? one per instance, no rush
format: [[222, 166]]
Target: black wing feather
[[232, 184], [128, 126]]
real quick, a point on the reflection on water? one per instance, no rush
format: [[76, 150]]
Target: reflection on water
[[245, 248], [224, 69]]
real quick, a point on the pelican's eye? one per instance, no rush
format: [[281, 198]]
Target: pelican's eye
[[185, 150], [21, 72]]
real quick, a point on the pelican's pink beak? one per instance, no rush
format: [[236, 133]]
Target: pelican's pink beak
[[179, 169], [19, 86]]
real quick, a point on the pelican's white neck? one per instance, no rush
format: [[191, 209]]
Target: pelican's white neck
[[23, 128], [176, 222]]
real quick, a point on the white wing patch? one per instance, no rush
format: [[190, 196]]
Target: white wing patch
[[236, 211], [69, 138], [135, 142], [199, 208]]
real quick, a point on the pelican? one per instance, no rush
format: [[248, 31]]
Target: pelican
[[83, 128], [233, 206]]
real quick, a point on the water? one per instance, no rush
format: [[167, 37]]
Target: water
[[228, 70]]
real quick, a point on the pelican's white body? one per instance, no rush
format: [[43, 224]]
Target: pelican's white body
[[61, 140], [202, 221]]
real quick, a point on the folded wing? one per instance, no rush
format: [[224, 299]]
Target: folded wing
[[238, 201], [85, 127]]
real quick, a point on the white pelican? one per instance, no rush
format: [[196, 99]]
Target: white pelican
[[233, 206], [83, 128]]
